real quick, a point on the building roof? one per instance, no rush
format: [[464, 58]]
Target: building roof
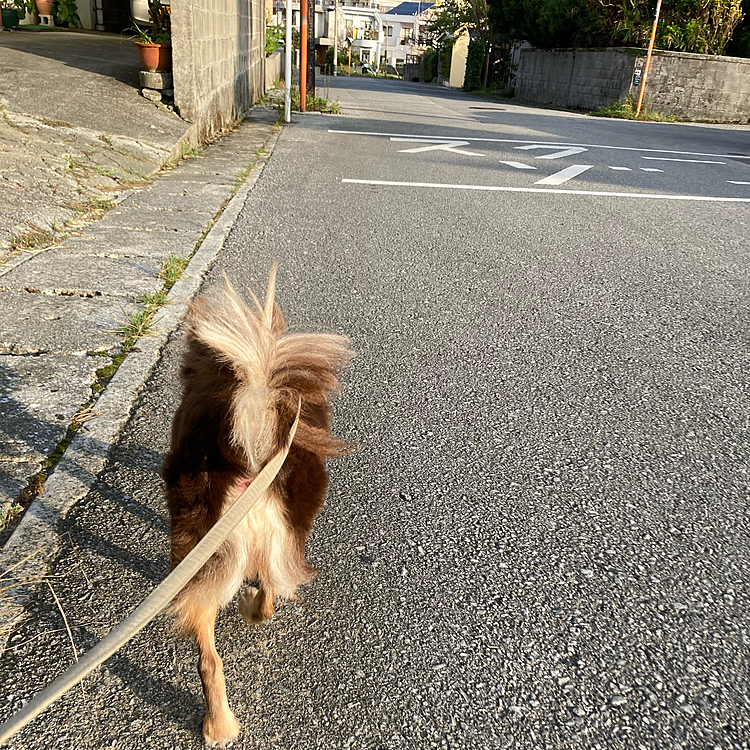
[[409, 9]]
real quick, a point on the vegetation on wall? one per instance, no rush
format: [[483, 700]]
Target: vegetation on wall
[[474, 64]]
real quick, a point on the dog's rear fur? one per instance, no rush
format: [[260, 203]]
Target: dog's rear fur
[[244, 377]]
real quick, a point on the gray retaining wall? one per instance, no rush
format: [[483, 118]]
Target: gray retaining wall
[[218, 51], [274, 64], [703, 87]]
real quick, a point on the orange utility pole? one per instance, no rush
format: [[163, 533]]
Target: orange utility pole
[[303, 42], [648, 59]]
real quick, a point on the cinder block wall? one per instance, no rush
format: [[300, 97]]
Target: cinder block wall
[[704, 87], [218, 53], [580, 78]]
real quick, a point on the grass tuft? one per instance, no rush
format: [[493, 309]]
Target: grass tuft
[[33, 239], [137, 323], [171, 270], [625, 110]]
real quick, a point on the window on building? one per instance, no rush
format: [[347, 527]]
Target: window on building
[[390, 31]]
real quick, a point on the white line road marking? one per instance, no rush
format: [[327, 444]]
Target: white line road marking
[[502, 189], [690, 161], [557, 154], [551, 143], [518, 165], [564, 175], [737, 182], [440, 145], [621, 169], [650, 169]]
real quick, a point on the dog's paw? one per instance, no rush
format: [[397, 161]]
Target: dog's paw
[[219, 731], [256, 606], [246, 609]]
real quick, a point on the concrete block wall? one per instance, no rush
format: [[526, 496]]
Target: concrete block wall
[[274, 65], [702, 87], [218, 53], [576, 78]]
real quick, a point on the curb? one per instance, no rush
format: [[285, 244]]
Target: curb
[[33, 544]]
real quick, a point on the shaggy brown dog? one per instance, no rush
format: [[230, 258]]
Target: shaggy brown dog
[[244, 377]]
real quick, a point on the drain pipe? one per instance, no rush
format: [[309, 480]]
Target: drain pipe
[[288, 63]]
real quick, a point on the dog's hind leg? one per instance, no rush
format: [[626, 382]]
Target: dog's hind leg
[[257, 605], [220, 726]]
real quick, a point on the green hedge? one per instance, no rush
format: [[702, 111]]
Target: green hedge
[[429, 65], [474, 65]]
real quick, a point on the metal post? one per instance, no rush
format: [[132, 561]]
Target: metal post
[[385, 31], [311, 50], [303, 45], [648, 59], [335, 37], [288, 64]]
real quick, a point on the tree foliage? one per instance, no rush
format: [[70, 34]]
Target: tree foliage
[[455, 16], [703, 26]]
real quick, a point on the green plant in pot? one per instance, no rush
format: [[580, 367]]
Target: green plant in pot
[[13, 12], [155, 44]]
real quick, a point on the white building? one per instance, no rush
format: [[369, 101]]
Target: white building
[[384, 32]]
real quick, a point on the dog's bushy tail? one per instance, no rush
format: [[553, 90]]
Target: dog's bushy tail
[[274, 372]]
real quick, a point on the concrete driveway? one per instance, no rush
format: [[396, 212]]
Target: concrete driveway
[[88, 79]]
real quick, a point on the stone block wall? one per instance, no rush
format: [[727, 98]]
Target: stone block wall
[[218, 52], [702, 87]]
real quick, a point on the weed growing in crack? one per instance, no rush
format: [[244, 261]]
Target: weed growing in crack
[[171, 270], [30, 240], [137, 323]]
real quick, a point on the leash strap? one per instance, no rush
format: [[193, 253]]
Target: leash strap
[[158, 599]]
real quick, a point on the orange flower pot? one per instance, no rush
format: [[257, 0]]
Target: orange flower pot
[[155, 57], [44, 7]]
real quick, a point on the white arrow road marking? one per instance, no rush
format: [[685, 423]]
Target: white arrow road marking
[[691, 161], [564, 174], [557, 154], [621, 169], [737, 182], [517, 165], [441, 145]]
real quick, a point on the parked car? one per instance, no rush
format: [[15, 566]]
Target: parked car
[[368, 70]]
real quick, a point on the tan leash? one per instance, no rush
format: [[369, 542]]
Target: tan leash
[[158, 599]]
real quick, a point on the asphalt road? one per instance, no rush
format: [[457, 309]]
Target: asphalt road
[[542, 541]]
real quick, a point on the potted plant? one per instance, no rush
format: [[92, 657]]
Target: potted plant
[[44, 7], [12, 13], [155, 44]]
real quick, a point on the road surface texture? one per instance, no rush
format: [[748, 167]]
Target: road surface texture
[[542, 541]]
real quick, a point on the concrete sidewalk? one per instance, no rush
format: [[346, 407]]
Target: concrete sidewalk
[[61, 307]]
